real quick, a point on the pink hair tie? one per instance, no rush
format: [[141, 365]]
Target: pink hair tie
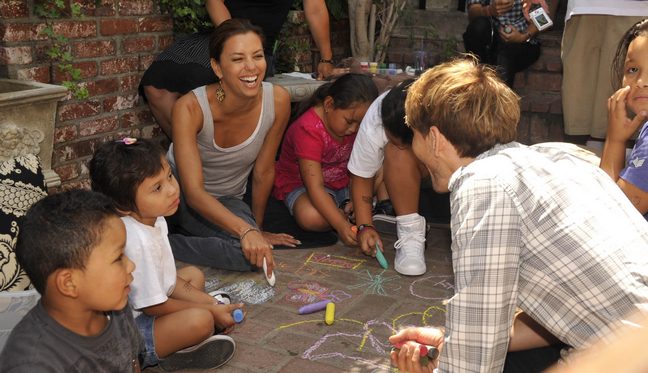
[[127, 140]]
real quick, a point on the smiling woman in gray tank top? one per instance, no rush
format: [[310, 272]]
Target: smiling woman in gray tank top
[[221, 133]]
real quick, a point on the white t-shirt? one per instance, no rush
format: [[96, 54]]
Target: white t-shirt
[[369, 147], [607, 7], [154, 277]]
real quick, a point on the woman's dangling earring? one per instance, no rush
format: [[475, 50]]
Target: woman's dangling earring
[[220, 93]]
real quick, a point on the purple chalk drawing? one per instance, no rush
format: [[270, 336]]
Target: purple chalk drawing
[[379, 347], [369, 338], [306, 292], [432, 282], [377, 284]]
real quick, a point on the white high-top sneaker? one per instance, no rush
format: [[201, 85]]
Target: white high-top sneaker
[[410, 246]]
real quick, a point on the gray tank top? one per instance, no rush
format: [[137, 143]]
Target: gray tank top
[[226, 170]]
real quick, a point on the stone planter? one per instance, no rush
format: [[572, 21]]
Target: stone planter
[[27, 117]]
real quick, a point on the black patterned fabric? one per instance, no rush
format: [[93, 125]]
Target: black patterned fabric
[[21, 184]]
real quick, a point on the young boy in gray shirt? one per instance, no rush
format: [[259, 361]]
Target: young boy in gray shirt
[[71, 245]]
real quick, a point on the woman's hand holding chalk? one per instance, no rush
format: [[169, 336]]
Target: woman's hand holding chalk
[[381, 257], [313, 307], [271, 280], [329, 316]]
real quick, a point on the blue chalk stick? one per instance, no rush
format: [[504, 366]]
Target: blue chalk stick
[[313, 307], [237, 314], [381, 258]]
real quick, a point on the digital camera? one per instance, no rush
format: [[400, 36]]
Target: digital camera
[[540, 19]]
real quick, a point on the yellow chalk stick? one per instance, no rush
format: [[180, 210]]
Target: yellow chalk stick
[[329, 316]]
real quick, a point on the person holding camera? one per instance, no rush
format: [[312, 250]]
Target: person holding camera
[[502, 33]]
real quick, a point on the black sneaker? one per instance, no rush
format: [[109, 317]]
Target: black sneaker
[[385, 224], [211, 353], [383, 217], [384, 207]]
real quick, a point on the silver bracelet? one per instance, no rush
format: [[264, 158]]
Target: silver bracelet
[[248, 231]]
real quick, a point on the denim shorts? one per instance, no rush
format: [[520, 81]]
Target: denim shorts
[[339, 196], [144, 324]]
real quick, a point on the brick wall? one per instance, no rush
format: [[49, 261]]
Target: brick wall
[[112, 44]]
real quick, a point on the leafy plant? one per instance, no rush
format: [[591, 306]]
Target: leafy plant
[[59, 52], [189, 16]]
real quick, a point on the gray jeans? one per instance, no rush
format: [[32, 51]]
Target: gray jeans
[[204, 243]]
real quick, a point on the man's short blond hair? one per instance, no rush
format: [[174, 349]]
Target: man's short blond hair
[[469, 104]]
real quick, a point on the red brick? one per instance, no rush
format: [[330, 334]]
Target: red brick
[[83, 109], [135, 7], [145, 62], [14, 9], [88, 70], [37, 73], [129, 120], [544, 82], [97, 126], [118, 66], [164, 41], [15, 55], [556, 106], [76, 29], [95, 48], [155, 24], [40, 53], [118, 26], [138, 44], [65, 133], [88, 7], [102, 86], [64, 153], [129, 83], [151, 131], [136, 118], [539, 129], [120, 103], [554, 66], [10, 32], [106, 8], [68, 171], [75, 184]]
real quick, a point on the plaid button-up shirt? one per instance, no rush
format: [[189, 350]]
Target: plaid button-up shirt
[[514, 16], [546, 232]]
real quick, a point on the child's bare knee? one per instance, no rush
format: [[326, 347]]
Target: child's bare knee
[[193, 275], [199, 322]]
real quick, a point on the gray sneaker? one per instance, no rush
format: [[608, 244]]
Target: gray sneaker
[[211, 353]]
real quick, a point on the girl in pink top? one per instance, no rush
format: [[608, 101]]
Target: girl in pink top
[[311, 175]]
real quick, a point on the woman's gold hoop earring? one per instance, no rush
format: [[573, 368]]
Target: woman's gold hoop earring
[[220, 93]]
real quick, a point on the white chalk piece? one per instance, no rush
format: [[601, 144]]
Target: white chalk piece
[[271, 280]]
